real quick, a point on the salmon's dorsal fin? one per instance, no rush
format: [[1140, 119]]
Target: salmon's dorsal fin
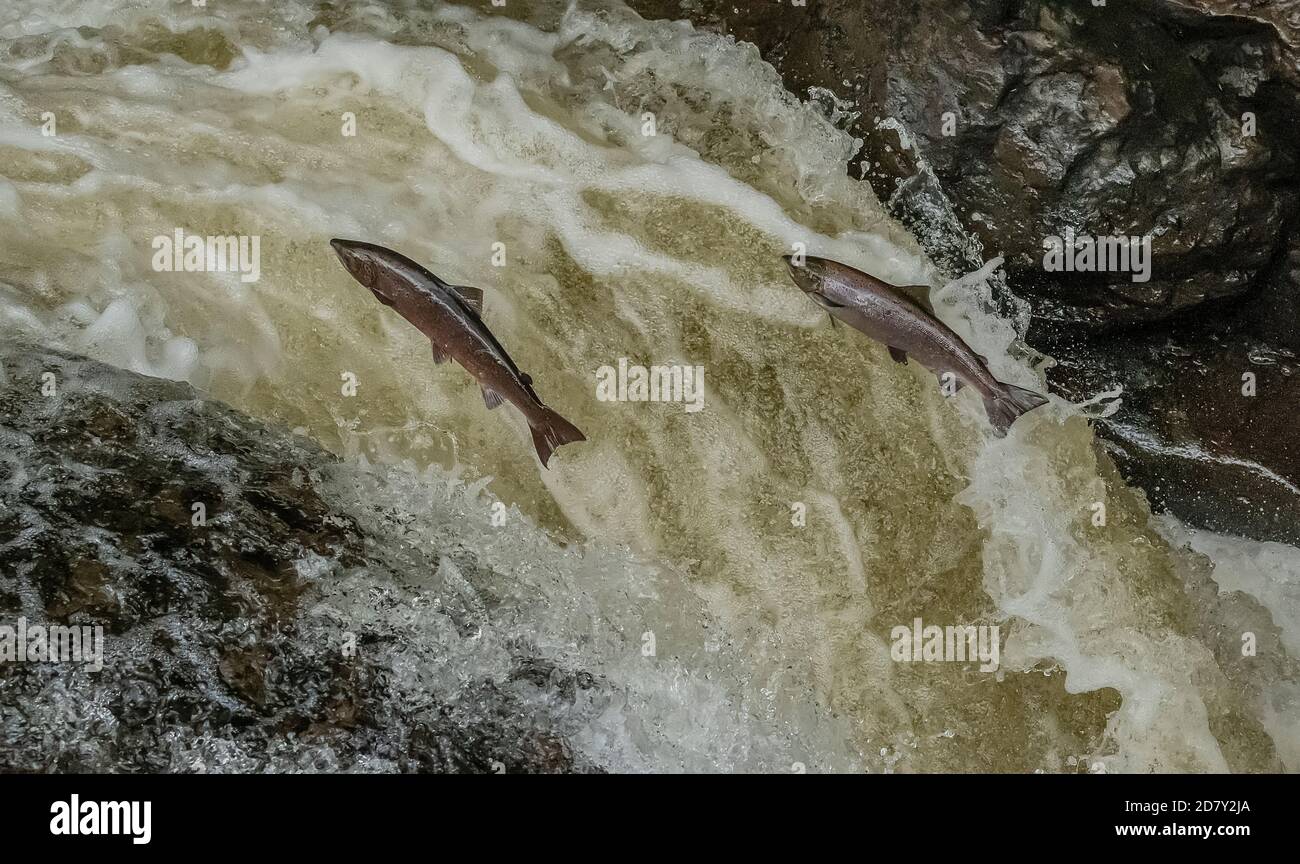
[[472, 296], [919, 294]]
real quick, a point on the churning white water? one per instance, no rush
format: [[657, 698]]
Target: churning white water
[[625, 189]]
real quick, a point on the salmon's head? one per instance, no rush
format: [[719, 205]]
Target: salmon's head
[[360, 259], [809, 274]]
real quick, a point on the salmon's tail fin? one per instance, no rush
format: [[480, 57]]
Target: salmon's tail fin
[[550, 432], [1010, 402]]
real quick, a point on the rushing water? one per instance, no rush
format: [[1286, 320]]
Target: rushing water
[[526, 127]]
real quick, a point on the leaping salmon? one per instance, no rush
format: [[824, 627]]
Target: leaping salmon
[[451, 316], [903, 320]]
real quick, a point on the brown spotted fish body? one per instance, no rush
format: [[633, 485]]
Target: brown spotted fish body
[[901, 319], [450, 315]]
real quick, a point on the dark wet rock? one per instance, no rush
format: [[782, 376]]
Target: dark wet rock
[[1191, 437], [1033, 117], [1026, 118], [226, 647]]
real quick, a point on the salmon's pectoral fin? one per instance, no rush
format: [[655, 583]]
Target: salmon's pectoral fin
[[438, 355], [826, 303], [472, 296], [823, 301], [899, 355], [381, 298], [491, 398]]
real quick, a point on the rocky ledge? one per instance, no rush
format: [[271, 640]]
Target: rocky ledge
[[199, 540]]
